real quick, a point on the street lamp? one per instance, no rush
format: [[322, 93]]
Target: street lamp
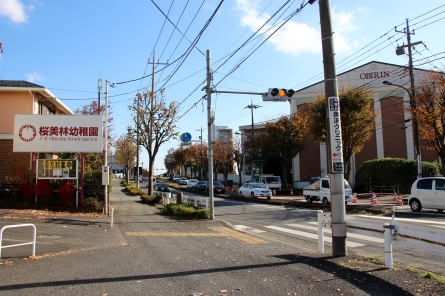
[[412, 103]]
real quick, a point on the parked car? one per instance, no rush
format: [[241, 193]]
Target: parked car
[[255, 190], [201, 185], [183, 181], [176, 179], [320, 191], [192, 183], [427, 193], [217, 187], [161, 186]]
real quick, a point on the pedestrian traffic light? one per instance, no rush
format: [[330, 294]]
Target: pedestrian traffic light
[[278, 95]]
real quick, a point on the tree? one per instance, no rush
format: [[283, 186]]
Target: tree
[[223, 157], [357, 121], [430, 113], [155, 122], [239, 153], [283, 140], [125, 153]]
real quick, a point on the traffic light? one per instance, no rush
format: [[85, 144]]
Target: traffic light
[[278, 95]]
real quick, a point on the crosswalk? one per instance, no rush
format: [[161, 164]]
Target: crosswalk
[[266, 206], [310, 230]]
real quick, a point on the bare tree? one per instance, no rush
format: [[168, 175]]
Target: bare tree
[[239, 152], [155, 122]]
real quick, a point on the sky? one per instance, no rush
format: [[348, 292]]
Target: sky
[[254, 45]]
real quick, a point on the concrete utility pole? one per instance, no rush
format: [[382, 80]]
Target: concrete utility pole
[[335, 156], [200, 154], [150, 168], [251, 107], [209, 125], [106, 145], [412, 96]]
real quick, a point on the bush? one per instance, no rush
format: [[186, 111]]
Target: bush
[[397, 172], [93, 203], [133, 190], [186, 211], [151, 199]]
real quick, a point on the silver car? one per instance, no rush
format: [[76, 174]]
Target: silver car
[[255, 190]]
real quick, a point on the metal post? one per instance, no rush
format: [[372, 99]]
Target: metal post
[[106, 144], [338, 208], [209, 124], [320, 232], [388, 244]]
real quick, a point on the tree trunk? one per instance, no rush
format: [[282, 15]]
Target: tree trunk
[[150, 174]]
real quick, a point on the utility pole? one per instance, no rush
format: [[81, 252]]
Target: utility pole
[[210, 120], [251, 107], [335, 156], [200, 154], [150, 166], [137, 147], [106, 145], [412, 94]]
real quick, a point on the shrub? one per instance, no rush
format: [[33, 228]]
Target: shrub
[[133, 190], [397, 172], [186, 211], [66, 192], [151, 199], [93, 203], [26, 190], [43, 188]]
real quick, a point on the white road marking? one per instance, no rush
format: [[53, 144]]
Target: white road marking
[[353, 235], [311, 235], [247, 228]]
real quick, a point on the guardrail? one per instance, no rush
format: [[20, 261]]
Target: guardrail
[[16, 245]]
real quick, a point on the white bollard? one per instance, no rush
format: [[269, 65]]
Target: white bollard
[[112, 214], [388, 245], [207, 203], [320, 232], [195, 201]]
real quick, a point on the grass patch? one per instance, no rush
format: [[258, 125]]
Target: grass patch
[[357, 211], [413, 269], [186, 211], [373, 259], [430, 275]]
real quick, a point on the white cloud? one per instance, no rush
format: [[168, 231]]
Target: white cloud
[[15, 10], [295, 37], [33, 77]]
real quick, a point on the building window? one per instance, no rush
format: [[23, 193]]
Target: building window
[[44, 109]]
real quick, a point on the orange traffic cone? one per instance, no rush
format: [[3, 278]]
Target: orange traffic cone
[[354, 198], [400, 201], [374, 199], [274, 192]]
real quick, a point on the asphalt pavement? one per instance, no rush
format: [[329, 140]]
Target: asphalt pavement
[[147, 253]]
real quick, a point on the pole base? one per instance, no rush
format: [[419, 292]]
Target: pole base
[[339, 246]]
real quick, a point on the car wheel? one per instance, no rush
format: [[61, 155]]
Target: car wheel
[[308, 199], [252, 195], [269, 197], [415, 205], [325, 200], [440, 211]]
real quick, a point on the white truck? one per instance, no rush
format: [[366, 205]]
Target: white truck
[[272, 182], [321, 191]]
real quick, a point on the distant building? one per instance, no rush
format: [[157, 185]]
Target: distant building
[[393, 136]]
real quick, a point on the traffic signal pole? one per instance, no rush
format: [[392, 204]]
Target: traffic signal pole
[[334, 143]]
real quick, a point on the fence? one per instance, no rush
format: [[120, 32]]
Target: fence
[[33, 243]]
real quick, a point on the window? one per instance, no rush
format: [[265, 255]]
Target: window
[[325, 184], [425, 184], [440, 184], [44, 109]]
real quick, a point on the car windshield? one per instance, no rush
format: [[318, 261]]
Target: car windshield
[[217, 183], [193, 180], [161, 185], [256, 185]]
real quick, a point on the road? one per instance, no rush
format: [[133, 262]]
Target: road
[[298, 227]]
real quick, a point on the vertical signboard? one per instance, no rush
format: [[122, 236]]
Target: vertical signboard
[[335, 132]]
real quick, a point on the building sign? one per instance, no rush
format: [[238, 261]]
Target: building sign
[[335, 135], [373, 75], [57, 133], [56, 168]]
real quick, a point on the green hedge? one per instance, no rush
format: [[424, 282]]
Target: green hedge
[[397, 172], [134, 191], [151, 199], [186, 211]]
